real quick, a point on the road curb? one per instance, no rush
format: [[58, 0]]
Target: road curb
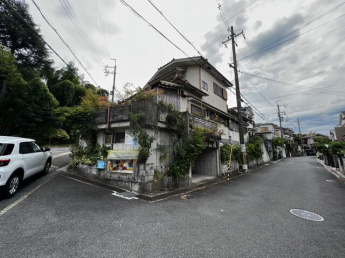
[[340, 177], [150, 197]]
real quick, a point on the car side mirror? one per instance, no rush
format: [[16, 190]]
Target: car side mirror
[[46, 149]]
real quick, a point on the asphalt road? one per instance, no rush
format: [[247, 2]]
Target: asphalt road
[[60, 159], [245, 217]]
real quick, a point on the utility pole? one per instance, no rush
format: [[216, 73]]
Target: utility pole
[[300, 135], [107, 72], [238, 96], [281, 129]]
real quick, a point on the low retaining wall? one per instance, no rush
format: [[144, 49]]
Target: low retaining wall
[[142, 181], [235, 166]]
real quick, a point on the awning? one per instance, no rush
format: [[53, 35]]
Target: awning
[[122, 154]]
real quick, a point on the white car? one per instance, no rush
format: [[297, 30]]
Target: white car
[[20, 158]]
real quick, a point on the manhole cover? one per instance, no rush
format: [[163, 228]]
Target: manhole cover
[[187, 197], [306, 215], [331, 181]]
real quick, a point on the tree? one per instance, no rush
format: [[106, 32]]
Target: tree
[[64, 92], [70, 72], [92, 101], [22, 37], [322, 140], [8, 70], [54, 133]]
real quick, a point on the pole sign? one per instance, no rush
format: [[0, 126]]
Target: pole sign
[[243, 148]]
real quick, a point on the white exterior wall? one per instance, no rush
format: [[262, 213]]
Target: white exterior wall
[[192, 76], [342, 119], [184, 104], [270, 129], [235, 136], [222, 127], [212, 98]]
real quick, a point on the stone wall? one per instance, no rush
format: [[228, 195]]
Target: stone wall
[[142, 181]]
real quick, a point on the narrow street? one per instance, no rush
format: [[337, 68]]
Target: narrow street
[[61, 159], [245, 217]]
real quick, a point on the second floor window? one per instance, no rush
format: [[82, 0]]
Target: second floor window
[[204, 85], [220, 91]]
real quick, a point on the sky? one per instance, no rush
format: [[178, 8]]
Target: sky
[[306, 73]]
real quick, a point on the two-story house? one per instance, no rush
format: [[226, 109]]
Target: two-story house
[[266, 130], [248, 124], [192, 86], [309, 142]]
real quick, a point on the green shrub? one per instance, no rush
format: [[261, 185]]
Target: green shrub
[[225, 152], [187, 153]]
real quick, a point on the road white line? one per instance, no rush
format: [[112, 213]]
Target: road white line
[[2, 212], [61, 154]]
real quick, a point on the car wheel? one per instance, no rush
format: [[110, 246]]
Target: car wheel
[[12, 185], [46, 167]]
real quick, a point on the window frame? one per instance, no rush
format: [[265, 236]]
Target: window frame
[[124, 136], [202, 111], [32, 151], [111, 137], [205, 85], [5, 150], [35, 144]]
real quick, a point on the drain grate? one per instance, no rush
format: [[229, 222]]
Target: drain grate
[[306, 215]]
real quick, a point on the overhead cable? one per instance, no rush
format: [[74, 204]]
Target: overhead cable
[[264, 49], [100, 21], [73, 17], [39, 9], [34, 30], [189, 42]]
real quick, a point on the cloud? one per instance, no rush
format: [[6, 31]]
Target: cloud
[[280, 28], [213, 40]]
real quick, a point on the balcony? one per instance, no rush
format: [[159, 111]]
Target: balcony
[[122, 113], [201, 122]]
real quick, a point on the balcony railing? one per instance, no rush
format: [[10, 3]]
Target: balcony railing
[[201, 122], [122, 113]]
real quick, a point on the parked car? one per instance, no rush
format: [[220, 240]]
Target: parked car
[[21, 158]]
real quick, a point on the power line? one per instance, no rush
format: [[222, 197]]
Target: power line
[[100, 21], [337, 92], [278, 44], [263, 96], [158, 31], [218, 39], [256, 110], [69, 10], [260, 66], [292, 94], [302, 43], [39, 9], [228, 19], [274, 90], [308, 23], [190, 43], [33, 29]]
